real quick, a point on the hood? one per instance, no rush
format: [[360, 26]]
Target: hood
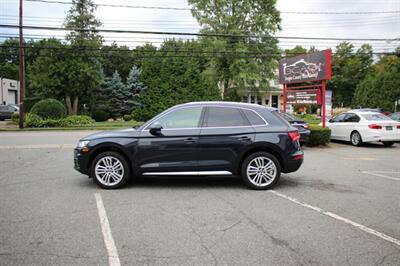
[[123, 133]]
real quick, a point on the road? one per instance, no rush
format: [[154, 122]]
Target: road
[[341, 208]]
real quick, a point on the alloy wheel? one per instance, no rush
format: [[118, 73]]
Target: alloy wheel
[[355, 138], [109, 171], [261, 171]]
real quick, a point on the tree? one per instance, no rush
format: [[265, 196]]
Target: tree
[[133, 88], [84, 49], [381, 86], [58, 73], [348, 70], [112, 96], [248, 61], [120, 58], [171, 80]]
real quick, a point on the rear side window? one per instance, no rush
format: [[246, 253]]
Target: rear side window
[[376, 117], [254, 119], [225, 117], [352, 118]]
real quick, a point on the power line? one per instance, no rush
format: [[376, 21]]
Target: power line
[[190, 9], [195, 34]]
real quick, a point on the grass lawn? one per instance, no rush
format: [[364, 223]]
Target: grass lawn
[[107, 125]]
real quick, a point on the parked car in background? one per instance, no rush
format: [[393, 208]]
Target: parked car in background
[[301, 125], [364, 126], [6, 112], [395, 116], [377, 110], [200, 138]]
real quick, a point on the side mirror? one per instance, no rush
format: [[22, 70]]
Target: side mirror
[[331, 121], [155, 129]]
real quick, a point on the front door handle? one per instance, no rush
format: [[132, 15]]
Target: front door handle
[[189, 140], [244, 139]]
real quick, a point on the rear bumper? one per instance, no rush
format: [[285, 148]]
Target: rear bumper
[[294, 162]]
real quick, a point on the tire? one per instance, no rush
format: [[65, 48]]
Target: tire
[[388, 143], [250, 164], [355, 139], [115, 165]]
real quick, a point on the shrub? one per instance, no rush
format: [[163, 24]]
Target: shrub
[[15, 117], [49, 108], [32, 120], [319, 135], [51, 123], [100, 115], [76, 120], [127, 117]]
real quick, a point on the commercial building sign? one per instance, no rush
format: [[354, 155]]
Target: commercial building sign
[[306, 67], [303, 97]]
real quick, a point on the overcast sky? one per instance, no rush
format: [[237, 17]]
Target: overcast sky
[[300, 25]]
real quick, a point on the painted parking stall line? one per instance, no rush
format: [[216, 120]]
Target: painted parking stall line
[[384, 174], [113, 258], [339, 218]]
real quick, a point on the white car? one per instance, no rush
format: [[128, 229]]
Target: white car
[[364, 126]]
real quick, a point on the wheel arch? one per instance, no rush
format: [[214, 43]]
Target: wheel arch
[[108, 147], [261, 148]]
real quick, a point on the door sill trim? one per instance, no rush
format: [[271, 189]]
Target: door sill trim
[[200, 173]]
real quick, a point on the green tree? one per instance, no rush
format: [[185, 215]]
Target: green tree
[[58, 73], [381, 86], [84, 49], [119, 58], [134, 87], [171, 79], [349, 68], [249, 62]]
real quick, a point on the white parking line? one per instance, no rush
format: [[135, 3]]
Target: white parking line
[[113, 258], [340, 218], [379, 174]]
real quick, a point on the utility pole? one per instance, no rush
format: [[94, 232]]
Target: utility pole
[[21, 67]]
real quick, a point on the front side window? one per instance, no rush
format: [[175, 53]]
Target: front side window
[[352, 118], [181, 118], [225, 117], [339, 118]]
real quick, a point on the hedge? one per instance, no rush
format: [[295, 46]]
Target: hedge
[[33, 120], [49, 108], [100, 115], [127, 117], [319, 136]]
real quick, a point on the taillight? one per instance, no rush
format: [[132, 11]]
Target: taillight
[[398, 126], [375, 126], [294, 136]]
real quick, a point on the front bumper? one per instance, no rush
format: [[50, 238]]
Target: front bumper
[[81, 161]]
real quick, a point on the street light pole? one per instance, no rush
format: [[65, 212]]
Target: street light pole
[[21, 67]]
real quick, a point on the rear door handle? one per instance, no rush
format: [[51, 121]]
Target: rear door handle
[[189, 140]]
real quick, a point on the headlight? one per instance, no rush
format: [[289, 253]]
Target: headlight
[[82, 143]]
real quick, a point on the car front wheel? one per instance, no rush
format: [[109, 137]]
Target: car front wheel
[[110, 170], [261, 170]]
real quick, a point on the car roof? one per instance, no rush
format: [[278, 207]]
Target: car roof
[[362, 112], [228, 104]]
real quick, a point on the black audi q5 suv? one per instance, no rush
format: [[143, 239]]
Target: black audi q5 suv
[[198, 138]]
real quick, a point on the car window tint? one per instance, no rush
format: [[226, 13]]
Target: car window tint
[[225, 117], [181, 118], [376, 117], [352, 118], [339, 118], [287, 117], [254, 119], [3, 108]]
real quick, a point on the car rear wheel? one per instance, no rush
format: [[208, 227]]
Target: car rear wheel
[[356, 139], [110, 170], [388, 143], [261, 170]]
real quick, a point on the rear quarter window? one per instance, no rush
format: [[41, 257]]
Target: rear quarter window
[[254, 118]]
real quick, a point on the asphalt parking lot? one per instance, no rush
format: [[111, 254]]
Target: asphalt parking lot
[[341, 208]]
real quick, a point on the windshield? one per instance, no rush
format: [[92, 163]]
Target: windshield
[[376, 117]]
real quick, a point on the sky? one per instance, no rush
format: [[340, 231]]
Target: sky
[[363, 26]]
